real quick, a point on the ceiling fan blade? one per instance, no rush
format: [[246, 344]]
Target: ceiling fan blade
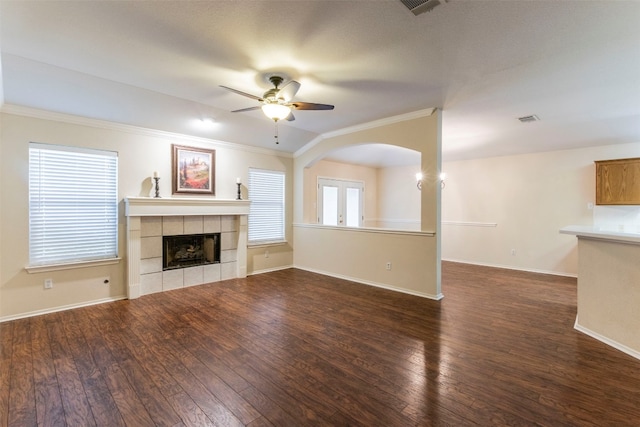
[[288, 91], [311, 106], [248, 95], [247, 109]]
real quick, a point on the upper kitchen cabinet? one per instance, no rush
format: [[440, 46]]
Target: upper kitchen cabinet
[[618, 182]]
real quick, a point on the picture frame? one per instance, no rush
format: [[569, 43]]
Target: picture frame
[[193, 170]]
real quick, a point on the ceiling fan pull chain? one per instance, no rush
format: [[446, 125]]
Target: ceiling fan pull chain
[[276, 134]]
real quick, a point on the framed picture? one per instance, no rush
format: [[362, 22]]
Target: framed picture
[[193, 170]]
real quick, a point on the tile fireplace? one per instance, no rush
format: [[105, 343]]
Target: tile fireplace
[[221, 253]]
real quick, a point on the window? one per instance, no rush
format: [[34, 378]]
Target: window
[[73, 204], [266, 212], [340, 202]]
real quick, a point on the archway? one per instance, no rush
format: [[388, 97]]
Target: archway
[[386, 174]]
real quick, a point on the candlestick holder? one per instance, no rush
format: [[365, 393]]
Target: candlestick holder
[[156, 179], [239, 192]]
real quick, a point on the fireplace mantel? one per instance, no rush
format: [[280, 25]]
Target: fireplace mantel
[[158, 206], [139, 207]]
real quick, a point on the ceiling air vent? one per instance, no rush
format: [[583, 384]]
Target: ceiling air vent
[[420, 6], [528, 119]]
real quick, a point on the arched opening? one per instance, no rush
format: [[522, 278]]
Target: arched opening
[[364, 185]]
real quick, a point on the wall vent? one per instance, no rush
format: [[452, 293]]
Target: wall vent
[[420, 6], [528, 119]]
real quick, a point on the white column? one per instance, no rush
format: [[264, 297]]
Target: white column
[[133, 257]]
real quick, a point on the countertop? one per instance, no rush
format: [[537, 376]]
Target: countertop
[[595, 232]]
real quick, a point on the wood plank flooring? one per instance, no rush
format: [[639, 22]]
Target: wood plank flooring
[[293, 348]]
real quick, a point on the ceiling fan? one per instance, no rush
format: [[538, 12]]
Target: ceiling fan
[[276, 103]]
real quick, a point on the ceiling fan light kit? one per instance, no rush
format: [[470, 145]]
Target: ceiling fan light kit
[[276, 103], [276, 111]]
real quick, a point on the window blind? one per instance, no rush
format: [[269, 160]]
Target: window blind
[[266, 212], [73, 204]]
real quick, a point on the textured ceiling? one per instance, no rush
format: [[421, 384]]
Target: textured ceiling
[[159, 64]]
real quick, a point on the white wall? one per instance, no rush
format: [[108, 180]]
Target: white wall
[[140, 153], [495, 205], [398, 198]]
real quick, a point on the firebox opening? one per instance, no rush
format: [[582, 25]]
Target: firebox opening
[[190, 250]]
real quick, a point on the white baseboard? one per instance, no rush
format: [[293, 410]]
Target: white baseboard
[[61, 308], [510, 267], [376, 284], [269, 270], [623, 348]]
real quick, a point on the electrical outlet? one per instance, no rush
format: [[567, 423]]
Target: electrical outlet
[[388, 265], [266, 253], [48, 283], [513, 252]]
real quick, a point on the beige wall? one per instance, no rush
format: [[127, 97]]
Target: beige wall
[[609, 293], [338, 252], [495, 205], [342, 171], [140, 153], [362, 255]]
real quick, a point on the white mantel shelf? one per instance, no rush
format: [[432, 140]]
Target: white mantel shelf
[[160, 206]]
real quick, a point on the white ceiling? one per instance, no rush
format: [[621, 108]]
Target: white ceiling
[[159, 64]]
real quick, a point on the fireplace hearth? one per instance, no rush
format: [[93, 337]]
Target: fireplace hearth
[[190, 250]]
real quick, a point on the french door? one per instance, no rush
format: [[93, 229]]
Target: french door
[[340, 202]]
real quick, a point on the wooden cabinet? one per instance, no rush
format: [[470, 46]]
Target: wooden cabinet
[[618, 182]]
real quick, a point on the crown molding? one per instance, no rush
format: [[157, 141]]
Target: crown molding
[[308, 146], [137, 130], [364, 126]]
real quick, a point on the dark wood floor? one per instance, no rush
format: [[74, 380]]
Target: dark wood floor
[[292, 348]]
